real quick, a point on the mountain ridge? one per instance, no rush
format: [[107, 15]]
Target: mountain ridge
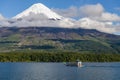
[[56, 39]]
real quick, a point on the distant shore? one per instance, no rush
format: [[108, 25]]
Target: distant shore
[[57, 57]]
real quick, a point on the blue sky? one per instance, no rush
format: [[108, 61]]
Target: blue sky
[[10, 8]]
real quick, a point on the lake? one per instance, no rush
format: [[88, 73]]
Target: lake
[[58, 71]]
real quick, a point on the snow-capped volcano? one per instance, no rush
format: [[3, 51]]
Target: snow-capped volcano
[[40, 15], [38, 9]]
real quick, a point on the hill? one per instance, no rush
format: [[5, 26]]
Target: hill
[[57, 39]]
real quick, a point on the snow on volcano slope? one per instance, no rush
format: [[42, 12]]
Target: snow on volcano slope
[[39, 8]]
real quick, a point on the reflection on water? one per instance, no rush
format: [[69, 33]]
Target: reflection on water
[[58, 71]]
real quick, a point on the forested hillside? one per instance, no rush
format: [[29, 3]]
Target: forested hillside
[[57, 39]]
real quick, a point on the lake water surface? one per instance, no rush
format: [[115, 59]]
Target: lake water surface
[[58, 71]]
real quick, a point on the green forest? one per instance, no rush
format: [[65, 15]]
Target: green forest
[[57, 57]]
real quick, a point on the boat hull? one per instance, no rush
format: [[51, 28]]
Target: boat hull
[[73, 64]]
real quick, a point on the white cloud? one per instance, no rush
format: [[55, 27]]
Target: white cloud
[[85, 23], [83, 11], [97, 18], [95, 11], [98, 12], [91, 10], [88, 23], [41, 20], [110, 17], [69, 12], [1, 17], [3, 21]]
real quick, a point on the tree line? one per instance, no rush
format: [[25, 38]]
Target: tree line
[[57, 57]]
